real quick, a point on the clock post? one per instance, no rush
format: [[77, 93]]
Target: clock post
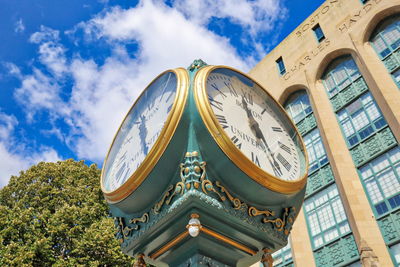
[[211, 188]]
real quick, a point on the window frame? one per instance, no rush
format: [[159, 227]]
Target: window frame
[[371, 123], [336, 226], [374, 178], [281, 66], [317, 29]]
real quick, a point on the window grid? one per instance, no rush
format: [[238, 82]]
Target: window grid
[[315, 149], [360, 119], [326, 217], [382, 181], [386, 41], [283, 255], [298, 106], [341, 76]]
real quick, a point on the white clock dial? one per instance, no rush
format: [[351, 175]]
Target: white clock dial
[[255, 124], [139, 131]]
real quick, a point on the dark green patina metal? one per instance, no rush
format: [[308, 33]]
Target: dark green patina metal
[[189, 176]]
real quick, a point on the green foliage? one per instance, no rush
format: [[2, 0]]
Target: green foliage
[[55, 214]]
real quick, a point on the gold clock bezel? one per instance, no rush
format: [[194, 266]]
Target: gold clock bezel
[[157, 150], [260, 176]]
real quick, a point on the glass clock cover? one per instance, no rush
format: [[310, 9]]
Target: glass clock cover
[[253, 127], [139, 131]]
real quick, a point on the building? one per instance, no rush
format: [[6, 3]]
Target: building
[[338, 76]]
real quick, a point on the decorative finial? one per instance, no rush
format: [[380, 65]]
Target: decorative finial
[[197, 64]]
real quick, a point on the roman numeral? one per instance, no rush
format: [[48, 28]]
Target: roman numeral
[[285, 147], [231, 89], [215, 103], [235, 140], [248, 97], [262, 112], [222, 121], [284, 162], [254, 158], [277, 129], [217, 89]]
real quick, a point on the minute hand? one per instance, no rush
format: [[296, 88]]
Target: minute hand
[[255, 127]]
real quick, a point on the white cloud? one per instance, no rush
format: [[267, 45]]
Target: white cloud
[[101, 94], [13, 156], [19, 26], [254, 16]]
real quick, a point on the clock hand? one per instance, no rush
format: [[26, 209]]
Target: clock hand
[[255, 127], [143, 133]]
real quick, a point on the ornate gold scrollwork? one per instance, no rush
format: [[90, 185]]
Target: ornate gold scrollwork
[[143, 219], [237, 203], [284, 223]]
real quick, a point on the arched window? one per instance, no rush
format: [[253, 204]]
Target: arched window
[[298, 106], [386, 42], [356, 110], [343, 72], [326, 219]]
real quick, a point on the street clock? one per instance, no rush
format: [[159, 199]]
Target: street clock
[[205, 167]]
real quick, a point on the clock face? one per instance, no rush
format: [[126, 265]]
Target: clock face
[[139, 131], [255, 124]]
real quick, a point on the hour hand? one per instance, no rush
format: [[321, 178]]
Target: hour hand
[[143, 133]]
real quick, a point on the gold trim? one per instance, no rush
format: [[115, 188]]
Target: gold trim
[[206, 231], [234, 154], [169, 245], [159, 146], [228, 241]]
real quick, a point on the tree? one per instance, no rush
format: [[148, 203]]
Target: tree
[[55, 214]]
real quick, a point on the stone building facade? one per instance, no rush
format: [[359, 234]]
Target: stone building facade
[[338, 76]]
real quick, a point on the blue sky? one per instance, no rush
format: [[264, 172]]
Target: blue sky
[[70, 70]]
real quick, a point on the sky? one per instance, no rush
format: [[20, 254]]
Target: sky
[[70, 70]]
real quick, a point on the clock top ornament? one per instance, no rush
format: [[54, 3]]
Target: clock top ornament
[[204, 152]]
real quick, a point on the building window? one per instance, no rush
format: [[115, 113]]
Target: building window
[[281, 66], [360, 119], [326, 217], [381, 177], [319, 34], [341, 75], [315, 149], [386, 42], [283, 256], [395, 251], [298, 106]]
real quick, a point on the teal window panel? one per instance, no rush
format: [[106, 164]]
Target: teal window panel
[[298, 106], [326, 217], [319, 34], [315, 149], [386, 42], [381, 178], [343, 72], [390, 227], [360, 119], [283, 257], [373, 146], [319, 179], [342, 252], [281, 66]]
